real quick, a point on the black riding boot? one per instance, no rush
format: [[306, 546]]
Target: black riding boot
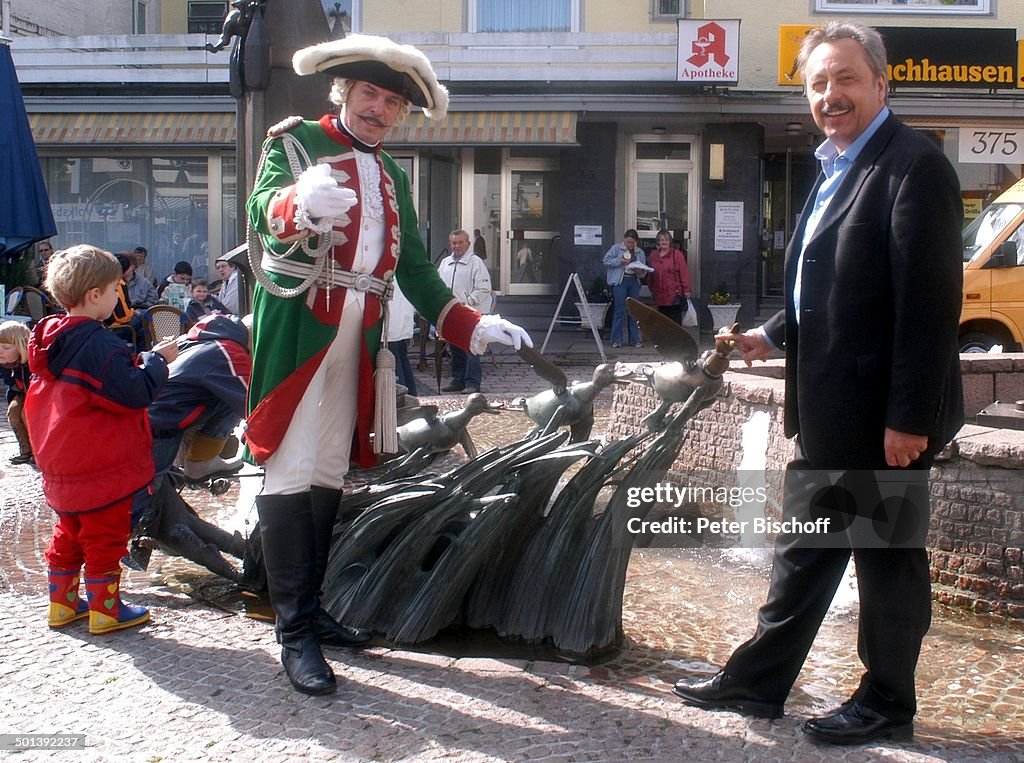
[[325, 511], [289, 550]]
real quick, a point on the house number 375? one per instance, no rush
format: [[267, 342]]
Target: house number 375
[[992, 145]]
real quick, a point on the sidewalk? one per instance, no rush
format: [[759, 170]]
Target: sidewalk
[[200, 683]]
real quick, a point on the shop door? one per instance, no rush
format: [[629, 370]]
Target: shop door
[[662, 195], [531, 245], [662, 201]]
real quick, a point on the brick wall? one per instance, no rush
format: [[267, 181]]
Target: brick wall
[[988, 378], [977, 526], [976, 534], [711, 451]]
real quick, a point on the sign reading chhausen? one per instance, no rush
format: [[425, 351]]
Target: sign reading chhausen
[[928, 56]]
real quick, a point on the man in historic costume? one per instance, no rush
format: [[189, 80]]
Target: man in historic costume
[[336, 221]]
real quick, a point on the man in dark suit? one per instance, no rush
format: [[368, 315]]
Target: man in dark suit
[[874, 278]]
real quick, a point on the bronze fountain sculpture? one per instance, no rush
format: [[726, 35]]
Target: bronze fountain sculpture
[[501, 543], [528, 539]]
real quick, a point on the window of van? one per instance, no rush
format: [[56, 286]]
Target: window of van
[[987, 226]]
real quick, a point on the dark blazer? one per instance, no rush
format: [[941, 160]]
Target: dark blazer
[[876, 345]]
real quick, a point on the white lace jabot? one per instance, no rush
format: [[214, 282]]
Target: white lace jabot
[[369, 182]]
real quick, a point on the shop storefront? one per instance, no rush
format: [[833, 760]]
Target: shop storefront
[[496, 174], [164, 180], [546, 182]]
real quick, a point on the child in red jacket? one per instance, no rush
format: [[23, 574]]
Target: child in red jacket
[[86, 415]]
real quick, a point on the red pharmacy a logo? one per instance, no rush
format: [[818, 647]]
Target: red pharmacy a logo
[[710, 44]]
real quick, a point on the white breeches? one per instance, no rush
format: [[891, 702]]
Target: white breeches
[[316, 448]]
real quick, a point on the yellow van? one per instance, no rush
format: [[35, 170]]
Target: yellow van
[[993, 308]]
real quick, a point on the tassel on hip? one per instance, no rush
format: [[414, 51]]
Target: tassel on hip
[[385, 409]]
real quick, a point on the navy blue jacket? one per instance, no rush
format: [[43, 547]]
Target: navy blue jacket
[[882, 280], [16, 378], [213, 364]]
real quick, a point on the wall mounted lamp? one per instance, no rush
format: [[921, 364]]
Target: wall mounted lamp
[[794, 128], [659, 130], [716, 162]]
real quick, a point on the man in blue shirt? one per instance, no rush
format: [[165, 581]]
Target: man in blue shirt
[[873, 392]]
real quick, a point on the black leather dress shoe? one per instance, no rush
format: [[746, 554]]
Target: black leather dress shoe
[[306, 667], [329, 632], [854, 723], [723, 692]]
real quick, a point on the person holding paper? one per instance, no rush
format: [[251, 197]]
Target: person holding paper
[[624, 264]]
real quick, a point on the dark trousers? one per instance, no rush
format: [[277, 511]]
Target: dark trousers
[[895, 612], [466, 368], [217, 421], [675, 312], [403, 368]]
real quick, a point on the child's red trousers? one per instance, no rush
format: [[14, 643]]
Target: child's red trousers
[[98, 539]]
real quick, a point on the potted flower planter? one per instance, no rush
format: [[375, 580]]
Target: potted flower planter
[[723, 315], [598, 311]]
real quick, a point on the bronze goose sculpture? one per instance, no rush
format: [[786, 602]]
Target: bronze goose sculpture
[[571, 406], [438, 434]]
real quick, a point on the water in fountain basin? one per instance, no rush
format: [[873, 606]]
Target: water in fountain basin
[[754, 549], [751, 475]]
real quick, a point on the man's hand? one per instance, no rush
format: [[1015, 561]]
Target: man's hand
[[321, 195], [752, 345], [902, 449], [494, 328]]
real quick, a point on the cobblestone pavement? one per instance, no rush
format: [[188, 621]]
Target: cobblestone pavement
[[201, 682]]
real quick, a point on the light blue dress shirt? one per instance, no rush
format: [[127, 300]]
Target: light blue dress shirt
[[835, 165]]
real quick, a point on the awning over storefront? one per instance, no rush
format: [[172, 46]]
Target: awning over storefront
[[502, 128], [465, 128], [156, 128]]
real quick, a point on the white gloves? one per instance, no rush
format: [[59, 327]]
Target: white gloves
[[494, 328], [318, 195]]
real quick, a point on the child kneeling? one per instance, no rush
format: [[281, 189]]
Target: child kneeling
[[86, 415]]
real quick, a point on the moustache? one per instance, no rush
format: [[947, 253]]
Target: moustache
[[372, 120], [838, 108]]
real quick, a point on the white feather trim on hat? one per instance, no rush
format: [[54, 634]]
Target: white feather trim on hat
[[403, 69]]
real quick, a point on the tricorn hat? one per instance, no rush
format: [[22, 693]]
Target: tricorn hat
[[402, 69]]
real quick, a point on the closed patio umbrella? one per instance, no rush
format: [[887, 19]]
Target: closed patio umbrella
[[25, 214]]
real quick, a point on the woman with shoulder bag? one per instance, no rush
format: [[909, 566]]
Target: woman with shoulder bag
[[669, 282]]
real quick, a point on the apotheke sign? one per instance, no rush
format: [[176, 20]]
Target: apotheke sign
[[708, 51]]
